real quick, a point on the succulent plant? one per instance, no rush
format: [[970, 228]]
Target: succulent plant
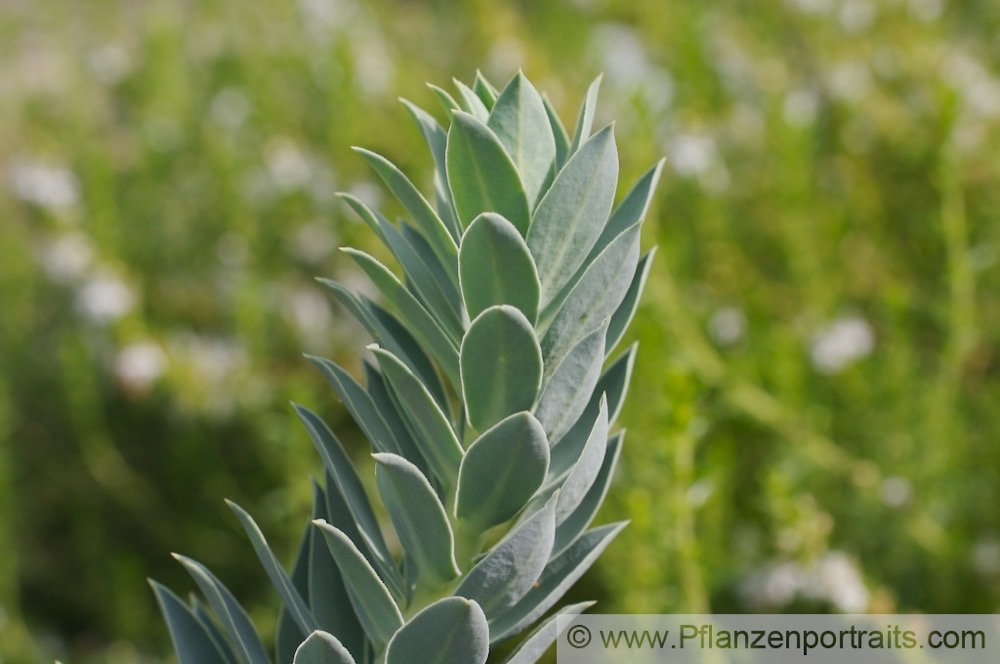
[[487, 404]]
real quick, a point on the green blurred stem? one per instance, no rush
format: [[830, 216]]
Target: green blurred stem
[[691, 577]]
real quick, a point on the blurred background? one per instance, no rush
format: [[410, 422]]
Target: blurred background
[[814, 415]]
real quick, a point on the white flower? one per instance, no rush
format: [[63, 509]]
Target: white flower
[[856, 16], [727, 326], [109, 64], [139, 365], [846, 340], [691, 154], [104, 298], [229, 108], [289, 168], [48, 187], [927, 10], [800, 107], [313, 242], [895, 491], [66, 257], [834, 579]]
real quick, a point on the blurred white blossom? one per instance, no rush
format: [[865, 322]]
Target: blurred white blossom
[[288, 167], [849, 81], [813, 6], [104, 297], [986, 556], [66, 257], [927, 10], [627, 68], [833, 579], [229, 108], [313, 242], [895, 491], [49, 187], [856, 16], [109, 63], [800, 107], [139, 365], [844, 341], [727, 326]]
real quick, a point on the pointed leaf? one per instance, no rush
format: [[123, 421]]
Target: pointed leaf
[[557, 578], [423, 214], [577, 522], [622, 317], [574, 211], [391, 411], [595, 297], [470, 101], [495, 267], [417, 320], [288, 636], [586, 468], [373, 603], [234, 618], [520, 122], [192, 642], [501, 471], [449, 631], [585, 120], [418, 517], [631, 210], [211, 626], [559, 134], [289, 595], [481, 174], [322, 648], [571, 384], [511, 567], [501, 366], [338, 463], [484, 90], [539, 641], [432, 432], [437, 140], [425, 273], [447, 102]]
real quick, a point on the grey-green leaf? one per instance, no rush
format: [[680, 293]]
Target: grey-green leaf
[[595, 297], [481, 174], [449, 631], [586, 468], [432, 432], [520, 122], [437, 140], [192, 641], [572, 214], [484, 90], [568, 390], [339, 465], [501, 471], [470, 101], [290, 597], [557, 578], [418, 321], [418, 517], [233, 617], [322, 648], [622, 317], [501, 365], [495, 267], [373, 603], [631, 210], [559, 134], [585, 119], [423, 214], [577, 522], [444, 98], [511, 567], [539, 641]]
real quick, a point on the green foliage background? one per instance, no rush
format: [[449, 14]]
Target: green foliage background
[[816, 396]]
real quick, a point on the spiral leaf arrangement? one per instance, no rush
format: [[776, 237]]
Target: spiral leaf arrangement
[[488, 405]]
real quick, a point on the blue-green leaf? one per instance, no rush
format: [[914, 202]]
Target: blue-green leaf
[[541, 639], [519, 120], [571, 384], [495, 267], [322, 648], [559, 134], [511, 567], [570, 217], [631, 210], [234, 618], [418, 321], [585, 119], [595, 297], [586, 468], [374, 605], [342, 471], [418, 517], [622, 317], [449, 631], [501, 366], [211, 626], [470, 101], [501, 471], [391, 411], [290, 597], [288, 636], [432, 432], [424, 273], [481, 174], [447, 102], [485, 90], [577, 522], [437, 140], [192, 642], [557, 578], [423, 214]]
